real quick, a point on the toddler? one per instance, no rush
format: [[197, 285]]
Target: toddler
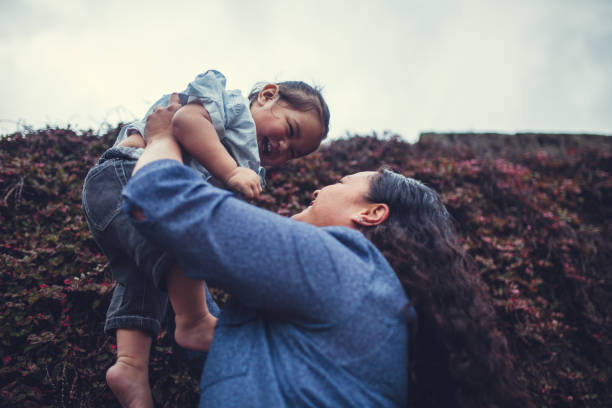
[[225, 137]]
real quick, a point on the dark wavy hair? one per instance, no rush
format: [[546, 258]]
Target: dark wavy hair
[[459, 357], [300, 96]]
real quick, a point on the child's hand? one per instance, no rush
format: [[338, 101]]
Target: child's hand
[[159, 122], [245, 181]]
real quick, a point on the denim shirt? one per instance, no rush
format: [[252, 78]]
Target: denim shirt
[[230, 115], [317, 316]]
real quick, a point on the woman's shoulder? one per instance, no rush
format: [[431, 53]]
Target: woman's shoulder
[[368, 265], [372, 323], [356, 244]]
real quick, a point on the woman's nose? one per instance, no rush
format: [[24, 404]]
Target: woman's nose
[[315, 194], [283, 145]]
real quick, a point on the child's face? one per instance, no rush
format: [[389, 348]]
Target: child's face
[[284, 133]]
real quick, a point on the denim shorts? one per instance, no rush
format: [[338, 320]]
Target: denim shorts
[[136, 303]]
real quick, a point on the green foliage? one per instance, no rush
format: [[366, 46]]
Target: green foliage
[[536, 226]]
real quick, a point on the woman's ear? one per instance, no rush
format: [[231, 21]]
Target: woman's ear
[[372, 215], [268, 93]]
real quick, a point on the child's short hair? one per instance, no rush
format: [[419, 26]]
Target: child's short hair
[[300, 96]]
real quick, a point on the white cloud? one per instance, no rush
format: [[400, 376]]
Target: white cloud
[[403, 66]]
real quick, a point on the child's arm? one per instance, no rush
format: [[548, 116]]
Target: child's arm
[[192, 127]]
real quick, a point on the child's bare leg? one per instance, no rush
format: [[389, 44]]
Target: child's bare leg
[[195, 326], [128, 378], [133, 140]]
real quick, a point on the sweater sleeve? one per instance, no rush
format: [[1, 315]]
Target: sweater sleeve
[[265, 260]]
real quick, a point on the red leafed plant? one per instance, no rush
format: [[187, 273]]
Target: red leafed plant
[[537, 226]]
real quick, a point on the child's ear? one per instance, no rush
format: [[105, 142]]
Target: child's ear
[[268, 93]]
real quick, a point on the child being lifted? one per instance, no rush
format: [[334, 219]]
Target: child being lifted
[[225, 137]]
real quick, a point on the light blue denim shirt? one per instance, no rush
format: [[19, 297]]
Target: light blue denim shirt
[[230, 115], [317, 317]]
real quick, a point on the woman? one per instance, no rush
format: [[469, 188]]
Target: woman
[[321, 316]]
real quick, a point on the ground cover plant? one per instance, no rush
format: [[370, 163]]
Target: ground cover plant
[[537, 226]]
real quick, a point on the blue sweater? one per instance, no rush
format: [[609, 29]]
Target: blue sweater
[[317, 317]]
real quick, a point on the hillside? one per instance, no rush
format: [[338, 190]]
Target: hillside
[[536, 220]]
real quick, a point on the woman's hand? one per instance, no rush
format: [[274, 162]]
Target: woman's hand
[[161, 144], [159, 123]]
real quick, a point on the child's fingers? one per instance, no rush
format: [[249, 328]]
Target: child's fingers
[[246, 182], [246, 191], [250, 194], [251, 191]]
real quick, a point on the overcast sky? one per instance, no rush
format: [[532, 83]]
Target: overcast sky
[[403, 66]]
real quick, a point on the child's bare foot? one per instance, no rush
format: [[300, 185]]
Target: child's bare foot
[[195, 333], [130, 383]]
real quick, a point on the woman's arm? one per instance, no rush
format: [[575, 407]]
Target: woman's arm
[[264, 260]]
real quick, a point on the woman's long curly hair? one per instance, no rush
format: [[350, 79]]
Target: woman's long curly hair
[[459, 357]]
